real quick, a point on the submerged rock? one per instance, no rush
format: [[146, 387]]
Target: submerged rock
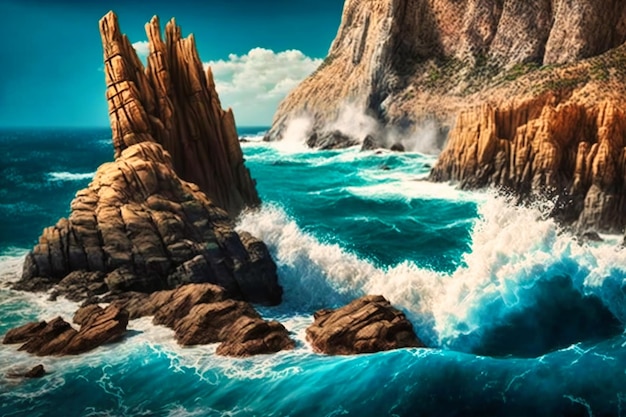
[[366, 325], [370, 143], [37, 371]]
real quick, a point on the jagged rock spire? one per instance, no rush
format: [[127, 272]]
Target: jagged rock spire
[[173, 102]]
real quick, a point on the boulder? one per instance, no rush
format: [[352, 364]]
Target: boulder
[[366, 325], [334, 139], [57, 337], [237, 325], [37, 372]]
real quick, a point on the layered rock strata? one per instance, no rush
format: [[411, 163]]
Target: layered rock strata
[[139, 226], [366, 325], [404, 62], [202, 314], [563, 137], [57, 337], [173, 102]]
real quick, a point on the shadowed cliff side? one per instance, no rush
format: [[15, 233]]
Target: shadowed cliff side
[[411, 61], [173, 103], [139, 226]]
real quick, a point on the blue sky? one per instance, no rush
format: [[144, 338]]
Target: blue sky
[[51, 57]]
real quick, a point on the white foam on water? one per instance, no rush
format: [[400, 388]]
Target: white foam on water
[[513, 248], [70, 176]]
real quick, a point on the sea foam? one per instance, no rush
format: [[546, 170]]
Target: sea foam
[[514, 252]]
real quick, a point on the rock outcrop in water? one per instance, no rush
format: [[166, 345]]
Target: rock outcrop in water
[[57, 337], [202, 313], [531, 94], [153, 233], [140, 226], [366, 325]]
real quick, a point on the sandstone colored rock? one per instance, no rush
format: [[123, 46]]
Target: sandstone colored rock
[[366, 325], [57, 337], [237, 325], [173, 102], [202, 314], [140, 225], [404, 62], [563, 136]]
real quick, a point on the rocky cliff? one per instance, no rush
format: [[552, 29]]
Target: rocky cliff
[[529, 95], [140, 225], [406, 61]]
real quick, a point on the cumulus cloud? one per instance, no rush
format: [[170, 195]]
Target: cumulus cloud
[[253, 84], [143, 49]]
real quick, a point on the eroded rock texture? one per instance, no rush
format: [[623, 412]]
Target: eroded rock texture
[[57, 337], [566, 141], [173, 102], [368, 324], [412, 61], [140, 226]]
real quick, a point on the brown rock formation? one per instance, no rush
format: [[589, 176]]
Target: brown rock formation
[[57, 337], [201, 314], [237, 325], [366, 325], [404, 62], [173, 102], [563, 135], [139, 226]]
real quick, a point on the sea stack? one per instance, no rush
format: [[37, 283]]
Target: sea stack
[[528, 96], [161, 214]]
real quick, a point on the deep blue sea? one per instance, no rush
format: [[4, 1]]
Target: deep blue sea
[[522, 320]]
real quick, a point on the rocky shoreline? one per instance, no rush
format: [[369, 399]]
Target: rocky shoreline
[[153, 233]]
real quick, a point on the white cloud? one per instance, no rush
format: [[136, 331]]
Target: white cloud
[[143, 49], [253, 84]]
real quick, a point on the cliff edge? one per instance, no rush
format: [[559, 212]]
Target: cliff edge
[[410, 61], [528, 96]]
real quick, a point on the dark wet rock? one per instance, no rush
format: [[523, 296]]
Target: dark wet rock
[[37, 372], [590, 236], [397, 147], [79, 285], [368, 324], [335, 139], [370, 143], [34, 283]]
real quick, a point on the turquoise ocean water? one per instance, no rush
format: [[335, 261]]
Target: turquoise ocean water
[[522, 320]]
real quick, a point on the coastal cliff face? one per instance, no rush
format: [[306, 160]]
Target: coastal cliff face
[[403, 62], [529, 95], [140, 225]]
